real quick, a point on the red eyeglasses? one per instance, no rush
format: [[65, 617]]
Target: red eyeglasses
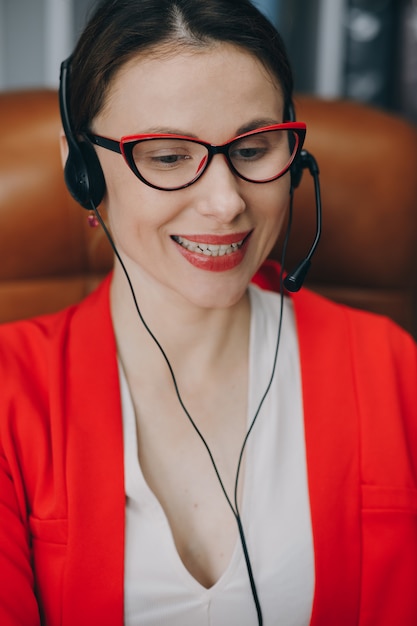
[[170, 162]]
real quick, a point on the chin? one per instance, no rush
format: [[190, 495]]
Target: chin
[[217, 296]]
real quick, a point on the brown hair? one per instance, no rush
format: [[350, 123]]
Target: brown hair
[[120, 29]]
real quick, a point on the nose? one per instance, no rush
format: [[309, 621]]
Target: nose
[[219, 192]]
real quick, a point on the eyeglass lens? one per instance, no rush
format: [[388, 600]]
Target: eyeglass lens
[[169, 162]]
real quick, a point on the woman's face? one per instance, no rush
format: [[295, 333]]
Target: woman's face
[[212, 94]]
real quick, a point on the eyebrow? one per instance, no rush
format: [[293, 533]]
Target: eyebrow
[[165, 130], [258, 123], [245, 128]]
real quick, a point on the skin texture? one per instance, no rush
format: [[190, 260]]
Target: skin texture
[[199, 312]]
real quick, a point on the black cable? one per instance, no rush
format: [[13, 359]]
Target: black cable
[[235, 508]]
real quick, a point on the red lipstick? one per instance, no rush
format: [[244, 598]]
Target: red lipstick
[[213, 253]]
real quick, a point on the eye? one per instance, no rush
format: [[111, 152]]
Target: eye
[[250, 148], [162, 158], [165, 154], [168, 159], [263, 147], [248, 153]]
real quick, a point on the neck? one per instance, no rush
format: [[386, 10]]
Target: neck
[[213, 338]]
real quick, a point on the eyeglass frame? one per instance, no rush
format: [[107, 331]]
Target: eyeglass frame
[[126, 144]]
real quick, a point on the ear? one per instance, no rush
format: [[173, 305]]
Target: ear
[[63, 146]]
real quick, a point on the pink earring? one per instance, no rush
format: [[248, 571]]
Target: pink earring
[[92, 220]]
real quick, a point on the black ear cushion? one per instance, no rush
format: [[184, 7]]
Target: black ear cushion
[[83, 175]]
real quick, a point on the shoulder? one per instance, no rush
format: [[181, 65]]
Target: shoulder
[[29, 348], [381, 355], [352, 351], [367, 363], [51, 368], [319, 317], [368, 335]]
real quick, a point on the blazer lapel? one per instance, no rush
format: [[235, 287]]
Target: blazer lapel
[[333, 464], [96, 495]]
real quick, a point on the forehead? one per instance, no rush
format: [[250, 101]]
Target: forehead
[[183, 88]]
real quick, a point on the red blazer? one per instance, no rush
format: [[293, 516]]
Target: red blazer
[[62, 500]]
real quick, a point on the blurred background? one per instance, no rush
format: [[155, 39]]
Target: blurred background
[[364, 50]]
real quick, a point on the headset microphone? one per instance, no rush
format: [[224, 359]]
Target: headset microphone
[[294, 279]]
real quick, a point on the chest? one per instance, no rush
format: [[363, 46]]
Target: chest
[[207, 557], [189, 459]]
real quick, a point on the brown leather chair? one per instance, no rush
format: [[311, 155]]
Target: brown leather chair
[[49, 257], [367, 256]]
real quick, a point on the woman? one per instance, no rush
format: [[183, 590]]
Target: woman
[[184, 447]]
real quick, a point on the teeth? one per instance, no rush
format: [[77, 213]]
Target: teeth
[[206, 248]]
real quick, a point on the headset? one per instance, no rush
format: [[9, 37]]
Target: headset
[[84, 176], [295, 279]]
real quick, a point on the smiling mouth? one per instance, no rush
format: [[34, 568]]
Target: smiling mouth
[[209, 249]]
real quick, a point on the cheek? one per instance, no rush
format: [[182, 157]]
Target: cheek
[[273, 213], [137, 214], [274, 201], [123, 196], [120, 181]]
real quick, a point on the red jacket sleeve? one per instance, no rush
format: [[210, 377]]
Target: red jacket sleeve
[[18, 604]]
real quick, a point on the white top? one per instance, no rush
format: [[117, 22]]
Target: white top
[[275, 509]]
